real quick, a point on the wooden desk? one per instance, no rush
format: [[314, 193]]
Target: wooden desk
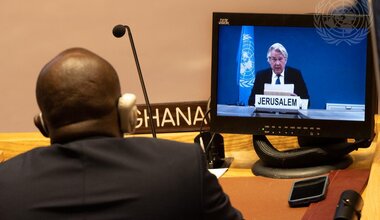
[[240, 148]]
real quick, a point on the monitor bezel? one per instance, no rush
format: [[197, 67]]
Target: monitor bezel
[[255, 125]]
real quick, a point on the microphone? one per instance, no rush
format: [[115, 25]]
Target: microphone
[[119, 31]]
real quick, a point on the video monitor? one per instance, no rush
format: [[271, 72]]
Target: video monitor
[[292, 75]]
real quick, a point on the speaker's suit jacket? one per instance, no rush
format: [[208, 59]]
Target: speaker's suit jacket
[[112, 178], [292, 76]]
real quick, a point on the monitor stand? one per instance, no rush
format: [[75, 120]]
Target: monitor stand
[[315, 156]]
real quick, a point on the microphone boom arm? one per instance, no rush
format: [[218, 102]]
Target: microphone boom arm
[[141, 81]]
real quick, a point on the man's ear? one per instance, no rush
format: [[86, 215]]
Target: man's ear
[[39, 123]]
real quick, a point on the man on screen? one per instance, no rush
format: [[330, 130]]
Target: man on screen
[[279, 73]]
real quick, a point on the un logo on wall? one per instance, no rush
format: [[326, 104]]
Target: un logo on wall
[[338, 25], [247, 62]]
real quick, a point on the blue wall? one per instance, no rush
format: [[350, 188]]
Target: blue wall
[[332, 73]]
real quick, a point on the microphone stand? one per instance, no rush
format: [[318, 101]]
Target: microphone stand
[[141, 81]]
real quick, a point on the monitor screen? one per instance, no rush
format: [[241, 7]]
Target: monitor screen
[[296, 75]]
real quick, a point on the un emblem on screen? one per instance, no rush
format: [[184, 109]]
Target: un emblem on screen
[[247, 62], [335, 24]]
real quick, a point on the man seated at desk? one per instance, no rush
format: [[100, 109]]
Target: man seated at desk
[[90, 171], [278, 74]]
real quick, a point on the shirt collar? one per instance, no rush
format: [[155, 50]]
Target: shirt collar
[[275, 75]]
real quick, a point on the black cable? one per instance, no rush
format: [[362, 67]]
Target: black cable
[[203, 119], [209, 143]]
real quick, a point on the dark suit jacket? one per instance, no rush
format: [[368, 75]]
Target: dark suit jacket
[[292, 76], [112, 178]]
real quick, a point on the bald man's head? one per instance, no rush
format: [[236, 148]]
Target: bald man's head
[[77, 86]]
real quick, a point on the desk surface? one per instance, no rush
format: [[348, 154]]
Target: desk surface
[[240, 148]]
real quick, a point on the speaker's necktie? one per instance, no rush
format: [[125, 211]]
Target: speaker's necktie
[[278, 80]]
